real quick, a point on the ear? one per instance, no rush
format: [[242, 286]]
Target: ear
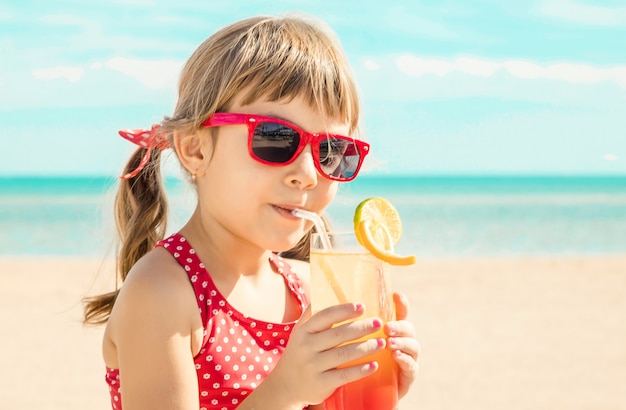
[[194, 150]]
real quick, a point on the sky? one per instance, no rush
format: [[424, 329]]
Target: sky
[[462, 87]]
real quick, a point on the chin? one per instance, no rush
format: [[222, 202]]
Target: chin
[[287, 242]]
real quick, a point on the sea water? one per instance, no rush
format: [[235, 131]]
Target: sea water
[[441, 216]]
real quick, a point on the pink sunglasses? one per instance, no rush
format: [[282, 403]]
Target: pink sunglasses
[[276, 142]]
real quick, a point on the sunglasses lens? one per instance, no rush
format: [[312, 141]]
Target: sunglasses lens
[[274, 142], [339, 158]]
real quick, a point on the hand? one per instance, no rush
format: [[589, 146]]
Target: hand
[[403, 344], [307, 370]]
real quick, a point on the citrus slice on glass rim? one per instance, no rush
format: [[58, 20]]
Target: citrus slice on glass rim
[[378, 228]]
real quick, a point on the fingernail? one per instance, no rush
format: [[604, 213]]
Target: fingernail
[[359, 307], [377, 323], [380, 342], [393, 329], [392, 342], [373, 365]]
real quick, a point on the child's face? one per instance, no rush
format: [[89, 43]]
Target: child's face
[[251, 200]]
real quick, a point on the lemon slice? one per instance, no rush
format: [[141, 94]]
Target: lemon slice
[[378, 228]]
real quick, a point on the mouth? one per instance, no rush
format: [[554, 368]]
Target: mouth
[[287, 211]]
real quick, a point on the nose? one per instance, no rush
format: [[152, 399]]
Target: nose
[[302, 173]]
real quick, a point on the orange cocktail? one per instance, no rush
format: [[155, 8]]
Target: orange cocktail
[[349, 273]]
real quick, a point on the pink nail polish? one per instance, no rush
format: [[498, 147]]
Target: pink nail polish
[[359, 307], [373, 365], [380, 342], [377, 323]]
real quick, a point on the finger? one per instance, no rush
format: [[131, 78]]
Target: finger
[[406, 345], [326, 318], [402, 305], [347, 332], [400, 328], [407, 364], [339, 377], [350, 352]]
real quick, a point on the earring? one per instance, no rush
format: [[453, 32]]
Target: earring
[[193, 177]]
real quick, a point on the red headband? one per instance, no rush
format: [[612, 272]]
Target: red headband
[[148, 139]]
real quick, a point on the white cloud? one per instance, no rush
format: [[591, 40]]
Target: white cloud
[[610, 157], [71, 74], [371, 65], [154, 74], [584, 13], [417, 66]]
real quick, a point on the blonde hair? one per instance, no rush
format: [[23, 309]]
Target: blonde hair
[[276, 58]]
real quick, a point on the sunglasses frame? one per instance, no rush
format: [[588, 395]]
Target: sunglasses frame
[[220, 119]]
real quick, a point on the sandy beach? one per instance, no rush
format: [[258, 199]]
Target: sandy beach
[[495, 333]]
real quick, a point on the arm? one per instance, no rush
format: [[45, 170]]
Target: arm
[[151, 326]]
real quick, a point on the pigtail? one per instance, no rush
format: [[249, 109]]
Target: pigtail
[[141, 219]]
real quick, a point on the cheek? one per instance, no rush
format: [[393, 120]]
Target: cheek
[[326, 191]]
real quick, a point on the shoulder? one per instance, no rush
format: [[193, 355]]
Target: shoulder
[[157, 274], [156, 293]]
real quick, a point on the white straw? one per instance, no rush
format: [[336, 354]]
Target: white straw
[[325, 266], [317, 221]]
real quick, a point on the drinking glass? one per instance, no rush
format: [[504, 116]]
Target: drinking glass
[[347, 273]]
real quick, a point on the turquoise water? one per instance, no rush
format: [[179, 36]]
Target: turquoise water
[[442, 216]]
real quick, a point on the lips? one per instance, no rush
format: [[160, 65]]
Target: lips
[[285, 210]]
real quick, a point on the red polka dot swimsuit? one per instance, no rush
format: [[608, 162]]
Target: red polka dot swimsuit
[[238, 352]]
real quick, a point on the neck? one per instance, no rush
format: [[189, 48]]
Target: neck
[[223, 252]]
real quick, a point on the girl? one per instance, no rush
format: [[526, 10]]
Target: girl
[[211, 317]]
